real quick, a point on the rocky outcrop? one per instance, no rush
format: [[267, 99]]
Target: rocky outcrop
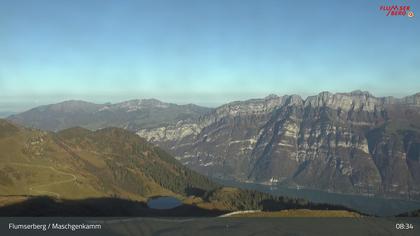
[[344, 142]]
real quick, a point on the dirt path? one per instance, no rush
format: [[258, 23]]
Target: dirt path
[[35, 188]]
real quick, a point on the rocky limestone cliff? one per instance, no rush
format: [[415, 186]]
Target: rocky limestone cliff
[[344, 142]]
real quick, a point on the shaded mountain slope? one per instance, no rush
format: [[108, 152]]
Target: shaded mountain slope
[[98, 207]]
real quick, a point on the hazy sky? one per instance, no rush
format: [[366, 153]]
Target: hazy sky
[[202, 51]]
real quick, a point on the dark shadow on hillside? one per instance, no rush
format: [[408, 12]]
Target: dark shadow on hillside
[[198, 192], [98, 207]]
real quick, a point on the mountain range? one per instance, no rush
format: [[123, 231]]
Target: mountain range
[[130, 115], [343, 142]]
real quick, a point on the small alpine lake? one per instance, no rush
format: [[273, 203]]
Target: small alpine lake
[[163, 202]]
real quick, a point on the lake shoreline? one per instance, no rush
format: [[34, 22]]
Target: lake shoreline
[[372, 205]]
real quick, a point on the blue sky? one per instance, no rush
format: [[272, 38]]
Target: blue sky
[[202, 51]]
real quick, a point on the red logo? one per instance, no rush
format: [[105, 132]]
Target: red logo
[[396, 10]]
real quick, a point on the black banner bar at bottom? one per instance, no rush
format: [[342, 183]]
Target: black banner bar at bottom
[[209, 226]]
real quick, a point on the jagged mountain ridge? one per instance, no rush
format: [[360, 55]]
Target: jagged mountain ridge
[[131, 115], [344, 142]]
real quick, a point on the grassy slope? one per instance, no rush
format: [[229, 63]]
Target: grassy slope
[[78, 163], [32, 164]]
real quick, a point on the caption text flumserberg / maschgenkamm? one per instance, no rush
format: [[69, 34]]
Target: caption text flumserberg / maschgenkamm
[[54, 226]]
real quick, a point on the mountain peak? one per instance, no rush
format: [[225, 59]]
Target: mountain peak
[[71, 106], [138, 104], [294, 99], [271, 96], [361, 93], [356, 99], [325, 93]]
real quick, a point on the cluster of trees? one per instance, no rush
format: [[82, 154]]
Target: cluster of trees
[[240, 199], [178, 178]]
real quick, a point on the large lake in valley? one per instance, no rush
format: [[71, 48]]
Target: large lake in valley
[[163, 202], [371, 205]]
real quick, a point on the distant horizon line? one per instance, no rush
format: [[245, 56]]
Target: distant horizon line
[[355, 92]]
